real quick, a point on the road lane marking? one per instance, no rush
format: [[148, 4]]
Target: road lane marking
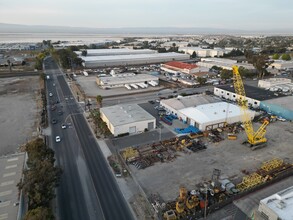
[[12, 159], [5, 193], [7, 183], [9, 174], [4, 216], [3, 204], [11, 166]]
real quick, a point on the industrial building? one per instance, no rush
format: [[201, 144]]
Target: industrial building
[[116, 51], [175, 104], [175, 67], [127, 80], [127, 118], [254, 95], [276, 84], [282, 107], [213, 115], [278, 206], [201, 52], [134, 59], [281, 65], [277, 104], [223, 63]]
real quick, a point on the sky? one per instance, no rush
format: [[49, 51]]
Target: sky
[[226, 14]]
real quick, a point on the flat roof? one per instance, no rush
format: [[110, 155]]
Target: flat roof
[[125, 114], [11, 167], [189, 101], [120, 79], [132, 56], [101, 52], [212, 112], [253, 92], [281, 203], [180, 65]]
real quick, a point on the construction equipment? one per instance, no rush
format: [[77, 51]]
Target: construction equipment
[[255, 139]]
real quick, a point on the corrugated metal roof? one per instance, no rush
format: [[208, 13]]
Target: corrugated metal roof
[[125, 114]]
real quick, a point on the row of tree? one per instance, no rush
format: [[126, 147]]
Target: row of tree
[[39, 181], [99, 123], [284, 56]]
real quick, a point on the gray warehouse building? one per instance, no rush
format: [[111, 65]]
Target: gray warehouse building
[[127, 118], [133, 59]]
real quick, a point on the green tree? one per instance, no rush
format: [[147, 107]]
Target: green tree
[[226, 74], [286, 56], [245, 72], [201, 80], [193, 54], [84, 53], [99, 100], [40, 213], [41, 177], [276, 56]]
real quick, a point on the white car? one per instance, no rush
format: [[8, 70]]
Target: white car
[[63, 126], [50, 94], [58, 139]]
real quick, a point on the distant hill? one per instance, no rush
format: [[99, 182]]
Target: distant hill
[[17, 28]]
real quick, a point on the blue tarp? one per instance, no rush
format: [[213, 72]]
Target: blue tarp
[[189, 129]]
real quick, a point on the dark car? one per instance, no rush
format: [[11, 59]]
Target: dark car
[[54, 121], [152, 102], [53, 107], [60, 112]]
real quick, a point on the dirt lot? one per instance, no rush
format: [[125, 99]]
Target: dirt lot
[[18, 111], [231, 157]]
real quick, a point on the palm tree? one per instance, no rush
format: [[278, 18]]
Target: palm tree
[[99, 99]]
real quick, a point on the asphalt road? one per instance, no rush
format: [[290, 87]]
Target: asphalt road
[[88, 189]]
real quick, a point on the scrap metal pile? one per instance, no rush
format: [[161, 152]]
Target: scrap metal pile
[[163, 151], [212, 195]]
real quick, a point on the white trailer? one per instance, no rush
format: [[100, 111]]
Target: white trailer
[[134, 86], [127, 87]]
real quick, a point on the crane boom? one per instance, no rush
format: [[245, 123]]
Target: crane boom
[[253, 138]]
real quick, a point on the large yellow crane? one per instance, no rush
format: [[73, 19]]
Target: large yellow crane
[[255, 139]]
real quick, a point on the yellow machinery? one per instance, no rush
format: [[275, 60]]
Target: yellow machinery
[[253, 138]]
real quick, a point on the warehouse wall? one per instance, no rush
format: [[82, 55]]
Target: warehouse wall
[[140, 127], [277, 110], [233, 96]]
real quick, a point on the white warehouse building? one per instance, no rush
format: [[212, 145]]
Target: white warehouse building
[[118, 51], [174, 105], [127, 118], [127, 79], [134, 59], [201, 52], [223, 63], [213, 115], [278, 206]]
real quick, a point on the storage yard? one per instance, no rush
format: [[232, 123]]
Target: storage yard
[[178, 166]]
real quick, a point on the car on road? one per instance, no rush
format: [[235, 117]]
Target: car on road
[[53, 107], [60, 112], [152, 102], [57, 139], [54, 121], [63, 126], [50, 94]]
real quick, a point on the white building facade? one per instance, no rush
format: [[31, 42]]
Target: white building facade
[[222, 93], [213, 115], [127, 119]]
